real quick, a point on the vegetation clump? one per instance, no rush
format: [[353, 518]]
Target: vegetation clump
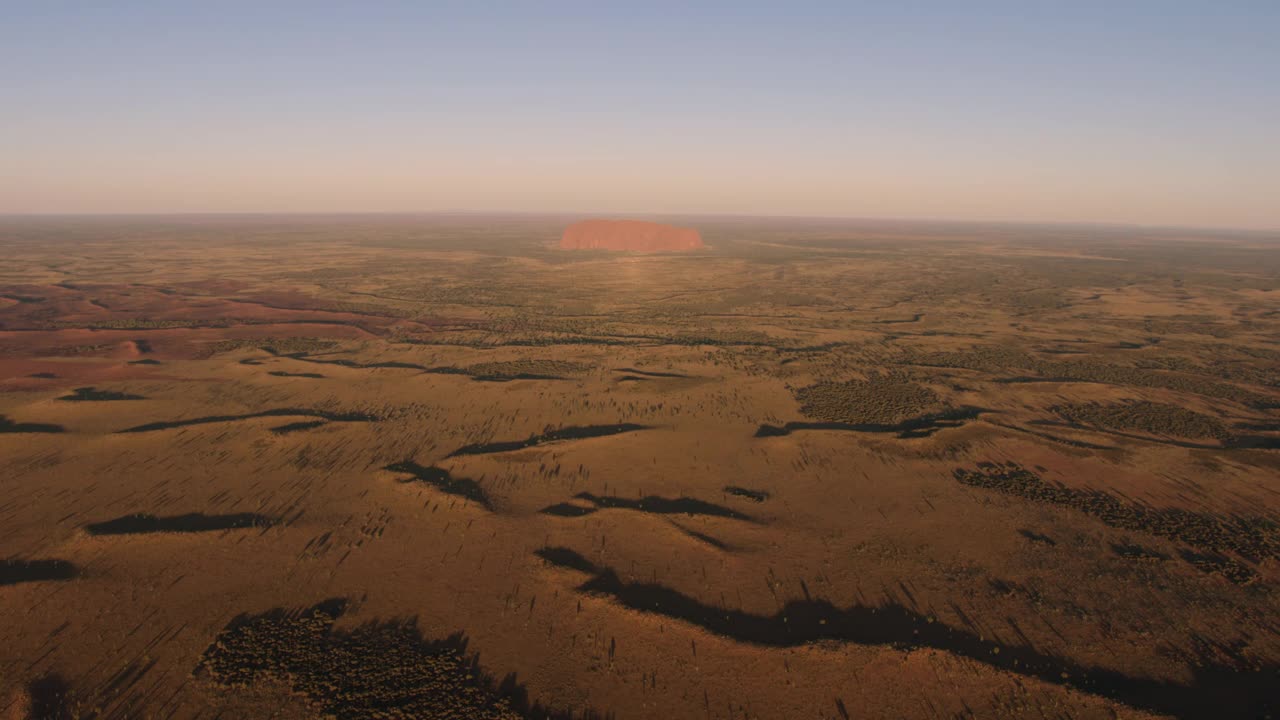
[[144, 324], [383, 670], [525, 369], [275, 346], [1254, 539], [1144, 416], [997, 359], [79, 350], [876, 400], [90, 394]]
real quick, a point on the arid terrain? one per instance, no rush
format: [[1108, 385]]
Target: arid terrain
[[439, 467]]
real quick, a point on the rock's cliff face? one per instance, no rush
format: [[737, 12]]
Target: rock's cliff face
[[634, 235]]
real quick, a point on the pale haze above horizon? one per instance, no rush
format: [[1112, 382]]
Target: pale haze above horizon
[[1154, 113]]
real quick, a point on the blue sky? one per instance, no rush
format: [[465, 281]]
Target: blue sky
[[1144, 112]]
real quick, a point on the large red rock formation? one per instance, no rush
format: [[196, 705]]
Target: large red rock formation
[[628, 235]]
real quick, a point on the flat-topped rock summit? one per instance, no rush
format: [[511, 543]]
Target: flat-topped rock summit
[[635, 235]]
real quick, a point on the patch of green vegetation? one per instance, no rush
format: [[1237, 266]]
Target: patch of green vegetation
[[379, 669], [876, 400], [275, 346], [1254, 539], [143, 324], [75, 350], [526, 368], [1150, 417], [1223, 368], [1000, 359], [1189, 325], [985, 358]]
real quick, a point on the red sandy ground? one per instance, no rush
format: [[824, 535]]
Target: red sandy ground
[[635, 235]]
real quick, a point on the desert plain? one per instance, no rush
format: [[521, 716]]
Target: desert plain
[[439, 467]]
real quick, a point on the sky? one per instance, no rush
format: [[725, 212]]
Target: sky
[[1125, 111]]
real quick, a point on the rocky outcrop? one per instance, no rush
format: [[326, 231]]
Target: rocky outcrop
[[635, 235]]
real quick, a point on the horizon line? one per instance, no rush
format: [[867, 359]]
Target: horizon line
[[625, 215]]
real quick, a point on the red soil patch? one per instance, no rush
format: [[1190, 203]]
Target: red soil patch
[[127, 350], [633, 235], [20, 375]]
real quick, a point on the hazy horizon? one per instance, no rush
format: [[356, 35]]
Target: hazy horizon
[[652, 216], [1151, 114]]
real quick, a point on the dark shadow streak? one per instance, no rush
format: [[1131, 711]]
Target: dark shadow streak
[[649, 373], [566, 558], [142, 523], [567, 510], [568, 433], [914, 428], [753, 495], [440, 479], [302, 357], [517, 376], [90, 394], [280, 412], [704, 538], [1218, 691], [14, 571], [297, 426], [663, 506], [9, 426], [1036, 537], [50, 698]]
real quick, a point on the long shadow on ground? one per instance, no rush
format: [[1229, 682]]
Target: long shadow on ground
[[91, 394], [577, 432], [342, 362], [14, 571], [443, 370], [278, 412], [1219, 691], [442, 480], [752, 495], [654, 504], [296, 427], [141, 523], [649, 373], [923, 426], [9, 426], [50, 698]]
